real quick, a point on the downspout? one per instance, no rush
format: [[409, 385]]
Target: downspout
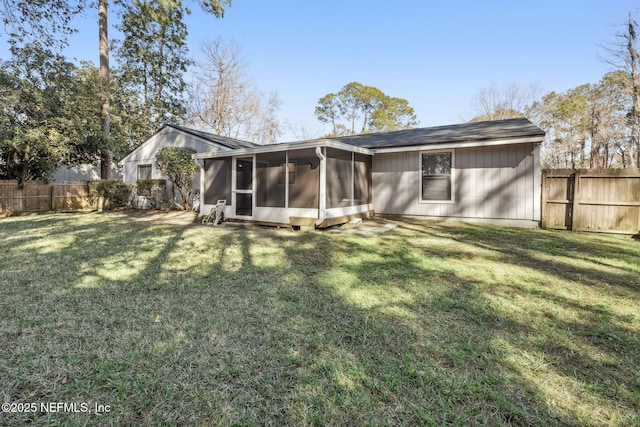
[[200, 163], [322, 195]]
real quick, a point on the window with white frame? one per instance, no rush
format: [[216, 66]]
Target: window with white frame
[[436, 182], [144, 172]]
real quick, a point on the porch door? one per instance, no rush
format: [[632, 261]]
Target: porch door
[[243, 187]]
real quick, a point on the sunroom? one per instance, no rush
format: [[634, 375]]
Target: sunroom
[[313, 184]]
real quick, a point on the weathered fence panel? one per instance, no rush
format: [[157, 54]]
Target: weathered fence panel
[[592, 200], [40, 196], [557, 198]]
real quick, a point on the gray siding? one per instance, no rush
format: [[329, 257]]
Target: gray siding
[[146, 153], [495, 182], [84, 172]]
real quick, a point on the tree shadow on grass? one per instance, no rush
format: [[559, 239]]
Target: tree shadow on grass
[[274, 328], [466, 339], [550, 252], [429, 358]]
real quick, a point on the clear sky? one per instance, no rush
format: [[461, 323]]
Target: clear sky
[[435, 54]]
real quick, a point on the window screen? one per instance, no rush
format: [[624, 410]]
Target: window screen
[[304, 168], [339, 178], [270, 170], [217, 180], [436, 176], [361, 179], [243, 204], [244, 173]]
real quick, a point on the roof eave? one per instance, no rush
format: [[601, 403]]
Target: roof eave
[[283, 147], [213, 144], [460, 144]]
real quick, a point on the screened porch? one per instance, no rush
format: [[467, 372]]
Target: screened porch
[[319, 184]]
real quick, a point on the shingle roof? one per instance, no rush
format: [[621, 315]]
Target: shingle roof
[[478, 131], [218, 139]]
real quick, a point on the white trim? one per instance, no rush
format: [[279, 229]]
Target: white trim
[[322, 190], [452, 176], [235, 191], [348, 210], [286, 178], [537, 183], [463, 144], [283, 215], [284, 146]]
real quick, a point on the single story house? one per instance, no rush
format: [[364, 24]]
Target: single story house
[[141, 163], [483, 171]]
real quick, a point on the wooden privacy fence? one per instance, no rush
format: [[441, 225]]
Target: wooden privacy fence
[[605, 201], [39, 196]]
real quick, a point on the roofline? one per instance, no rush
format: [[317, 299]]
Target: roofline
[[193, 132], [283, 147], [461, 144], [206, 141]]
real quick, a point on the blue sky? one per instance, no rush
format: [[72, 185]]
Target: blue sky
[[435, 54]]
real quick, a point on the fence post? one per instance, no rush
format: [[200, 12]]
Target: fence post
[[544, 209], [576, 221], [53, 197]]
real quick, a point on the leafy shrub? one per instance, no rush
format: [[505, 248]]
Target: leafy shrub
[[150, 193], [114, 193], [176, 164]]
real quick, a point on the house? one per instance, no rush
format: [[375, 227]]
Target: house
[[83, 172], [141, 164], [484, 171]]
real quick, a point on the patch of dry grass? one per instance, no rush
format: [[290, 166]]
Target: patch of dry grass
[[427, 324]]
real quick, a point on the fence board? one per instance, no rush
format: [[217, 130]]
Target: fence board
[[39, 196], [592, 200], [557, 199]]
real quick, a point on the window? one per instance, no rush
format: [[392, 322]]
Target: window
[[144, 172], [436, 176]]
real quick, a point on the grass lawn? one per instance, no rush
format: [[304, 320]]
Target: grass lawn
[[427, 324]]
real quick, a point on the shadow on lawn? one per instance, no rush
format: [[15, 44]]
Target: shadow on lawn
[[524, 246], [434, 357], [257, 327], [453, 338]]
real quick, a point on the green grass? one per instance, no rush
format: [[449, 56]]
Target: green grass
[[427, 324]]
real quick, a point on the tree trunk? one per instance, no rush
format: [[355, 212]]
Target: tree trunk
[[634, 58], [105, 154]]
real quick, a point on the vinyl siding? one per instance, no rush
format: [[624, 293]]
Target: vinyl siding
[[495, 182], [146, 153]]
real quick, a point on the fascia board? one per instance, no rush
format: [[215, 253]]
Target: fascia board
[[283, 147], [461, 144]]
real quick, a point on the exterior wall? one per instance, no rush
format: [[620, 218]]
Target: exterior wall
[[146, 153], [494, 182], [83, 172]]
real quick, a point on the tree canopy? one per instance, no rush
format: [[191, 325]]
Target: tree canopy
[[378, 111], [55, 111], [50, 115], [225, 101]]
